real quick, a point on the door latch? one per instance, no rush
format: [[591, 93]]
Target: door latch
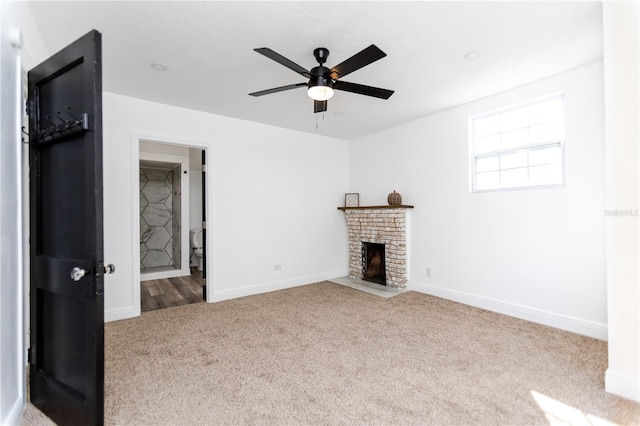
[[109, 269]]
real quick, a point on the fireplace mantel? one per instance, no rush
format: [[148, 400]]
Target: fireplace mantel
[[376, 207]]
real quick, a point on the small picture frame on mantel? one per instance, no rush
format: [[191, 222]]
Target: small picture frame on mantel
[[352, 199]]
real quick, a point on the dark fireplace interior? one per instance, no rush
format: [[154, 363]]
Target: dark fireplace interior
[[373, 268]]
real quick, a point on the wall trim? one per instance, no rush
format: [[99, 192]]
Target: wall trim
[[624, 386], [220, 295], [17, 412], [121, 313], [563, 322]]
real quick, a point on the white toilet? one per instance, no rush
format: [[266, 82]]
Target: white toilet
[[196, 243]]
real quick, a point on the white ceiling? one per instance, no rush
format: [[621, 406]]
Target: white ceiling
[[208, 49]]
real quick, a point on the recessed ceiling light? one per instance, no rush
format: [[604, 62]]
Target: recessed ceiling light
[[158, 66], [473, 55], [338, 113]]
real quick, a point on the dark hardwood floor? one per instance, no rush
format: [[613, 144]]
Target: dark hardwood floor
[[169, 292]]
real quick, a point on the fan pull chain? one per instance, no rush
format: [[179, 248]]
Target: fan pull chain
[[316, 114]]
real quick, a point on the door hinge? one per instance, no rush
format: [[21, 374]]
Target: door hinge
[[204, 168], [28, 355], [204, 225], [27, 108]]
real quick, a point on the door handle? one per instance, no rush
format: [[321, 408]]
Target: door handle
[[77, 273]]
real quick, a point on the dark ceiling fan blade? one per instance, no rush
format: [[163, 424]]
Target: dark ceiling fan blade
[[361, 89], [357, 61], [283, 61], [319, 106], [278, 89]]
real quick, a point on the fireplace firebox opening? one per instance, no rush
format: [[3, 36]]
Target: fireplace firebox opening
[[373, 265]]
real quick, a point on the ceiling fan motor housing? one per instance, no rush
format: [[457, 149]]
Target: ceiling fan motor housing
[[321, 54], [320, 77], [320, 74]]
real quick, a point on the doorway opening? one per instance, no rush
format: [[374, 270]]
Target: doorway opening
[[172, 215]]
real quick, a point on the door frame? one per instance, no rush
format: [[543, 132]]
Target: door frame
[[136, 138]]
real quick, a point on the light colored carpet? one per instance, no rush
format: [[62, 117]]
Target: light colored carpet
[[327, 354]]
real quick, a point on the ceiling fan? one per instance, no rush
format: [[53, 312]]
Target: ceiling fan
[[323, 81]]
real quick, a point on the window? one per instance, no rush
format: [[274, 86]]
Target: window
[[518, 147]]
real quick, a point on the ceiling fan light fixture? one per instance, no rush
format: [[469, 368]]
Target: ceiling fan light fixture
[[320, 93], [320, 89]]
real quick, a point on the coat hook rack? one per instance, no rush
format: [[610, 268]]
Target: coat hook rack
[[56, 132]]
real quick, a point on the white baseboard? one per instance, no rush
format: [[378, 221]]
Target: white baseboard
[[221, 295], [121, 313], [624, 386], [563, 322], [16, 413]]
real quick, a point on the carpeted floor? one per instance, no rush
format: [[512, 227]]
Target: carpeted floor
[[328, 354]]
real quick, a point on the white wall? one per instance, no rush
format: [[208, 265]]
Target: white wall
[[14, 17], [535, 254], [622, 106], [272, 197], [11, 297]]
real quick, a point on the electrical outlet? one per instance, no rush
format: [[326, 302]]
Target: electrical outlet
[[277, 267], [428, 272]]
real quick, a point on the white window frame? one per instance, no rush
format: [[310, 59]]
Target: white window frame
[[528, 147]]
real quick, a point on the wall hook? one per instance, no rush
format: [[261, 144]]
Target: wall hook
[[25, 132]]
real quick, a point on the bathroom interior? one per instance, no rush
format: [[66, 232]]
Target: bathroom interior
[[171, 217]]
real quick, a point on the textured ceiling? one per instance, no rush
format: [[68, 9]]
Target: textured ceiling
[[208, 49]]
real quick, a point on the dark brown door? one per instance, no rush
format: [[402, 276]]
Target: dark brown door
[[67, 300]]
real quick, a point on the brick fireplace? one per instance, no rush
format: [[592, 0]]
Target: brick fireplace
[[380, 225]]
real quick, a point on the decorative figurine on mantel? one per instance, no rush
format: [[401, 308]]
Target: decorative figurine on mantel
[[394, 199]]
